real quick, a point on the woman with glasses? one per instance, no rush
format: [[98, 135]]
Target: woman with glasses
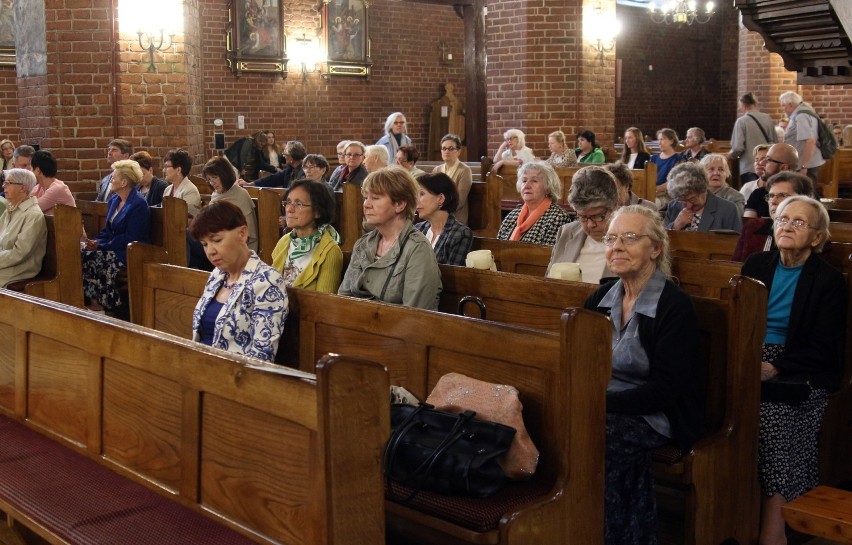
[[309, 255], [393, 262], [693, 206], [539, 218], [436, 203], [23, 230], [221, 177], [513, 151], [353, 171], [803, 347], [316, 168], [459, 172], [655, 394], [594, 196], [244, 303], [394, 137]]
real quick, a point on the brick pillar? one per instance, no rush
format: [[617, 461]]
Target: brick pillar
[[763, 74], [542, 76], [93, 85]]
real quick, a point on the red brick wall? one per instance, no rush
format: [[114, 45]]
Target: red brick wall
[[693, 81], [407, 76], [9, 104]]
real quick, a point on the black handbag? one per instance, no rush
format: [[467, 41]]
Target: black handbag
[[452, 454], [786, 389]]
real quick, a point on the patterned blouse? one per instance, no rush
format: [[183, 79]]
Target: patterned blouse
[[542, 232]]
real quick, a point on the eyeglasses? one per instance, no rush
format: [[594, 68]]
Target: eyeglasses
[[628, 239], [771, 160], [798, 225], [689, 200], [780, 196], [449, 149], [599, 218], [298, 205], [309, 167], [349, 155]]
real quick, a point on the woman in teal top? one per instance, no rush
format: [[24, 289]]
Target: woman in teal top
[[806, 324], [587, 150]]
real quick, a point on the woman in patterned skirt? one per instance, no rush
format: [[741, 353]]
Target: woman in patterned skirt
[[805, 326]]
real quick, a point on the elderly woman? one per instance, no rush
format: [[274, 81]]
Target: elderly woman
[[693, 207], [459, 172], [309, 256], [128, 220], [513, 151], [244, 303], [588, 151], [7, 149], [375, 157], [718, 173], [654, 395], [316, 168], [624, 183], [23, 231], [665, 161], [694, 145], [176, 167], [406, 157], [806, 323], [635, 155], [353, 171], [394, 137], [561, 155], [221, 177], [539, 218], [437, 201], [394, 262], [594, 196]]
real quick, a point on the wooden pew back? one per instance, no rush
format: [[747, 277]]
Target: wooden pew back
[[350, 216], [94, 216], [263, 450]]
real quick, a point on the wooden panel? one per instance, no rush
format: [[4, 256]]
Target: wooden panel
[[142, 423], [824, 512], [174, 314], [58, 389], [7, 368], [372, 347], [237, 480]]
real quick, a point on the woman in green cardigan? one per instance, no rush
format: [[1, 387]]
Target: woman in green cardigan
[[309, 256]]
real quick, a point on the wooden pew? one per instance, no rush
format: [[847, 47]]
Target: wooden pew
[[61, 276], [94, 216], [718, 477], [168, 229], [645, 181], [824, 512], [516, 257], [717, 246], [259, 453], [350, 216], [475, 168], [561, 386], [484, 209], [840, 216], [269, 209]]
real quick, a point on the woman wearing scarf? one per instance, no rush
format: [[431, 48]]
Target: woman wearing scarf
[[459, 172], [538, 220], [309, 256], [394, 137]]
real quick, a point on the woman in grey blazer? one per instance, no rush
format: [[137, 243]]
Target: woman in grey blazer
[[693, 206]]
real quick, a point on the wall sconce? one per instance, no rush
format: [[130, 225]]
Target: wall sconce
[[601, 28], [155, 43], [305, 54]]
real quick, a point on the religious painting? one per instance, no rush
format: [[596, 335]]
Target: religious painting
[[7, 32], [346, 37], [256, 36]]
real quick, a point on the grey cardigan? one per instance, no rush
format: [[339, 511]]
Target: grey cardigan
[[415, 280]]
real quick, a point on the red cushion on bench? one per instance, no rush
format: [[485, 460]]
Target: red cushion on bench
[[478, 514], [83, 502]]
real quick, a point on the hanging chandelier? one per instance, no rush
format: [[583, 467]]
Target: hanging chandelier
[[680, 12]]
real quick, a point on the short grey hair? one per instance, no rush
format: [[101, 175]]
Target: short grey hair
[[790, 97], [686, 178], [552, 183], [379, 151], [711, 158], [22, 177], [23, 151], [655, 230], [593, 187], [698, 132], [522, 138], [822, 213]]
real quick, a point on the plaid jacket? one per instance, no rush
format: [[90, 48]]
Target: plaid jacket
[[454, 242], [542, 232]]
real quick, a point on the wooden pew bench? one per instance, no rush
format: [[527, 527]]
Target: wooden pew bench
[[562, 387], [824, 512], [61, 276], [113, 433], [715, 483]]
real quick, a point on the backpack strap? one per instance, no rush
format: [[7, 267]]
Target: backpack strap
[[762, 130]]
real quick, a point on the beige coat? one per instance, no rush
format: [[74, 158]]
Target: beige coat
[[23, 240]]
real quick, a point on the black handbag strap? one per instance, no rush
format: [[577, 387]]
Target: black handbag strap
[[762, 130], [393, 267]]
